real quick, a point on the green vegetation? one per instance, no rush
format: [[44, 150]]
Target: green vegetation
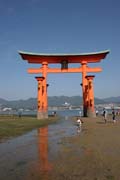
[[12, 126]]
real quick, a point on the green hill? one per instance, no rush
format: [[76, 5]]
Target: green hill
[[31, 103]]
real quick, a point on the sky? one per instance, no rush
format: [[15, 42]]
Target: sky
[[58, 26]]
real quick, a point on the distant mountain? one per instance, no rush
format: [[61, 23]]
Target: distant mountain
[[31, 103], [73, 100], [112, 99], [60, 100], [3, 101], [99, 101]]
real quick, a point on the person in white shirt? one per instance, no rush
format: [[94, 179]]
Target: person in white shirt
[[79, 123]]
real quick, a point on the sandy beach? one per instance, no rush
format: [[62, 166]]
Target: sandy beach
[[93, 154]]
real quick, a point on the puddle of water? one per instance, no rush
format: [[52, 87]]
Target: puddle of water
[[27, 156], [16, 154]]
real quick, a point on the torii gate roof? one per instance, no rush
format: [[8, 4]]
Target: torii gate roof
[[38, 58]]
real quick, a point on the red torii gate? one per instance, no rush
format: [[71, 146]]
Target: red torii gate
[[64, 60]]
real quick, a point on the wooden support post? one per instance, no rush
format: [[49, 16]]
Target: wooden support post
[[40, 100], [84, 87], [45, 98], [90, 108]]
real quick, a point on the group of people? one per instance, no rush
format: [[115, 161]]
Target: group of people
[[105, 114]]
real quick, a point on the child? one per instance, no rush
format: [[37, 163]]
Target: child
[[79, 122]]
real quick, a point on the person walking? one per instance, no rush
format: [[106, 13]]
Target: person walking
[[113, 116], [105, 115]]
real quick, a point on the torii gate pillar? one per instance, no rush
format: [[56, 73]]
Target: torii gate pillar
[[84, 85], [42, 112], [90, 98]]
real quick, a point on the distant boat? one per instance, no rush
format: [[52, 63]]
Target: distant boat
[[66, 104]]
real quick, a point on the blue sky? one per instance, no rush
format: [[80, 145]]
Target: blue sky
[[58, 26]]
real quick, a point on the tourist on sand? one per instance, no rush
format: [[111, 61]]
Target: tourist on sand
[[105, 115], [113, 116], [79, 123], [54, 113], [97, 112]]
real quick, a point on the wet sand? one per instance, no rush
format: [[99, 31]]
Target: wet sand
[[93, 154], [59, 152]]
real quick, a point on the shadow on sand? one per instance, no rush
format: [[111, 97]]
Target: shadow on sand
[[102, 122]]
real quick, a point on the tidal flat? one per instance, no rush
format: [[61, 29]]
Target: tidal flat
[[58, 151], [94, 154]]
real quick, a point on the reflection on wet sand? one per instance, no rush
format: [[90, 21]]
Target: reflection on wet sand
[[42, 167], [43, 149], [28, 157]]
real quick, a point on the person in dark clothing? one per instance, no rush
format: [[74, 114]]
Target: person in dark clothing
[[113, 116], [105, 115]]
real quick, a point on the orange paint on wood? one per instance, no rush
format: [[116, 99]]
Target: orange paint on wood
[[90, 92], [40, 93], [59, 70], [58, 58], [44, 73]]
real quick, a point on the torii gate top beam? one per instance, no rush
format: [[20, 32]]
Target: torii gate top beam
[[58, 58]]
